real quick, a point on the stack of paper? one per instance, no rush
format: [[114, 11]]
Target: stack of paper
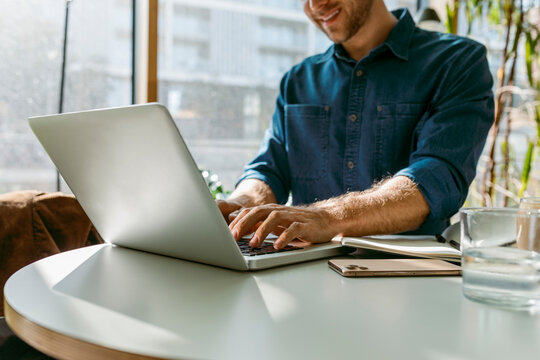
[[424, 246]]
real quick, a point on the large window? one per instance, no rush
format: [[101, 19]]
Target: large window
[[98, 74], [220, 63]]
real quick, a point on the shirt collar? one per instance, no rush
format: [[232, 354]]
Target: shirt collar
[[398, 40], [400, 37]]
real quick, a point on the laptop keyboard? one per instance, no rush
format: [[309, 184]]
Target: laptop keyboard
[[263, 249]]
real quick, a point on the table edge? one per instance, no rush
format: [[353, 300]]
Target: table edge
[[59, 345]]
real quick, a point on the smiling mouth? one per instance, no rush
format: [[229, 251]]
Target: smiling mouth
[[330, 16]]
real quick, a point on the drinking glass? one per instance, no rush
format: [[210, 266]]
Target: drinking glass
[[524, 241], [495, 270]]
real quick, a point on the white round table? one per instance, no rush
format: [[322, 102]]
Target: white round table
[[109, 302]]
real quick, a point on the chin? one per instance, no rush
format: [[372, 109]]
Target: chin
[[335, 38]]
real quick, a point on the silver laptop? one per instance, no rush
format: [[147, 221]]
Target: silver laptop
[[136, 180]]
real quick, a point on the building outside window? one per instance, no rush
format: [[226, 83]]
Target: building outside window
[[220, 63], [220, 79], [98, 74]]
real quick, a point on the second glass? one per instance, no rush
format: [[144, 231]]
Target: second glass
[[495, 270], [525, 240]]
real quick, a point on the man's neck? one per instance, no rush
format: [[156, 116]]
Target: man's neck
[[374, 32]]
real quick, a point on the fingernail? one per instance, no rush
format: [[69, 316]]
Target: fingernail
[[235, 234], [277, 245], [254, 241]]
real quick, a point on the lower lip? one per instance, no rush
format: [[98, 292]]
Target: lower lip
[[331, 20]]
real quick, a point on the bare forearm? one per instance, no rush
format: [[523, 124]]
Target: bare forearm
[[393, 206], [253, 192]]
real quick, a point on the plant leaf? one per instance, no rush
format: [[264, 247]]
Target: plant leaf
[[527, 164], [495, 11], [450, 19], [529, 46], [469, 16]]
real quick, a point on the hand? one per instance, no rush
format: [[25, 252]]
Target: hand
[[229, 209], [307, 224]]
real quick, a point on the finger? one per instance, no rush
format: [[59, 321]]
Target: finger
[[245, 222], [292, 232], [235, 233], [254, 228], [241, 213], [275, 219], [233, 215], [249, 222], [277, 231]]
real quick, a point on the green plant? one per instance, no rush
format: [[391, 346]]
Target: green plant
[[502, 178], [213, 183]]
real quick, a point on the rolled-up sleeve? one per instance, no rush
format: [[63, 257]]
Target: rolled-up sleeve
[[271, 164], [451, 135]]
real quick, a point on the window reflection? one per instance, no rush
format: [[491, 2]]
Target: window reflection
[[98, 74], [220, 64]]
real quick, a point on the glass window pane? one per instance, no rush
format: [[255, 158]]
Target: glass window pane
[[220, 64], [98, 74], [219, 72]]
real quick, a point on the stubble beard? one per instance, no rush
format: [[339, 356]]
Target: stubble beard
[[357, 18]]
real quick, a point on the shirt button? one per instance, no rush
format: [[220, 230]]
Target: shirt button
[[359, 73], [352, 117], [350, 164], [326, 108], [379, 108]]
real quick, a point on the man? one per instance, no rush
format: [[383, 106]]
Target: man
[[380, 134]]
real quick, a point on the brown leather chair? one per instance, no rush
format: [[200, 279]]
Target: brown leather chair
[[34, 225]]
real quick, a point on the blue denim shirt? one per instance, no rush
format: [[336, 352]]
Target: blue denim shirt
[[419, 105]]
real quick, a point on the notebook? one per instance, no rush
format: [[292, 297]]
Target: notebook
[[445, 246], [135, 178]]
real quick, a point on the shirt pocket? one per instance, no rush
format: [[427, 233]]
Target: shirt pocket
[[306, 137], [394, 134]]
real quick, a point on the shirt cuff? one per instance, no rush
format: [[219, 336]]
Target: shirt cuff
[[438, 185]]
